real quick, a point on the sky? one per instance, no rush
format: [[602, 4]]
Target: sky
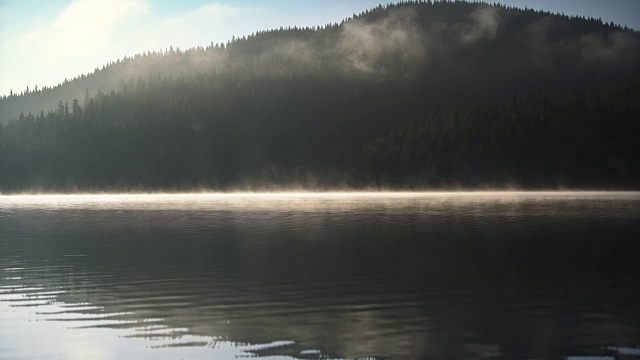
[[44, 42]]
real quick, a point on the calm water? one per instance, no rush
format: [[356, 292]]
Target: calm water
[[407, 276]]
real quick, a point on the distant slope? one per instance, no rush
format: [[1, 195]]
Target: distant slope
[[305, 107], [466, 50]]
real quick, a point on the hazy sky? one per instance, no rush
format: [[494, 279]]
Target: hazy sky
[[44, 42]]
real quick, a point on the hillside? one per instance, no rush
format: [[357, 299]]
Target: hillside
[[491, 94]]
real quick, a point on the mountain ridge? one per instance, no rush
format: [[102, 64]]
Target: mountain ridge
[[112, 75]]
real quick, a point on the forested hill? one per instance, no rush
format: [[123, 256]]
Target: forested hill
[[458, 51], [418, 94]]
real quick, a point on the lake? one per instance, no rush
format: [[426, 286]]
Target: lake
[[323, 275]]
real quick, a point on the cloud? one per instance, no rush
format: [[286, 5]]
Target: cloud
[[397, 38], [608, 47], [198, 27], [483, 25], [82, 29], [597, 46]]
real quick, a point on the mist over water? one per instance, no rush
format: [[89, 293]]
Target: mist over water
[[401, 275]]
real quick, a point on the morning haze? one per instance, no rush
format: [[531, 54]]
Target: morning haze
[[409, 181]]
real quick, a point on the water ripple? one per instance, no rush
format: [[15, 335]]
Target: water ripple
[[480, 275]]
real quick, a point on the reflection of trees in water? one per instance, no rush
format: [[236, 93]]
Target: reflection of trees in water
[[432, 278]]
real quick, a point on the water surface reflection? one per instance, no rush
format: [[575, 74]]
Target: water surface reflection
[[437, 276]]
